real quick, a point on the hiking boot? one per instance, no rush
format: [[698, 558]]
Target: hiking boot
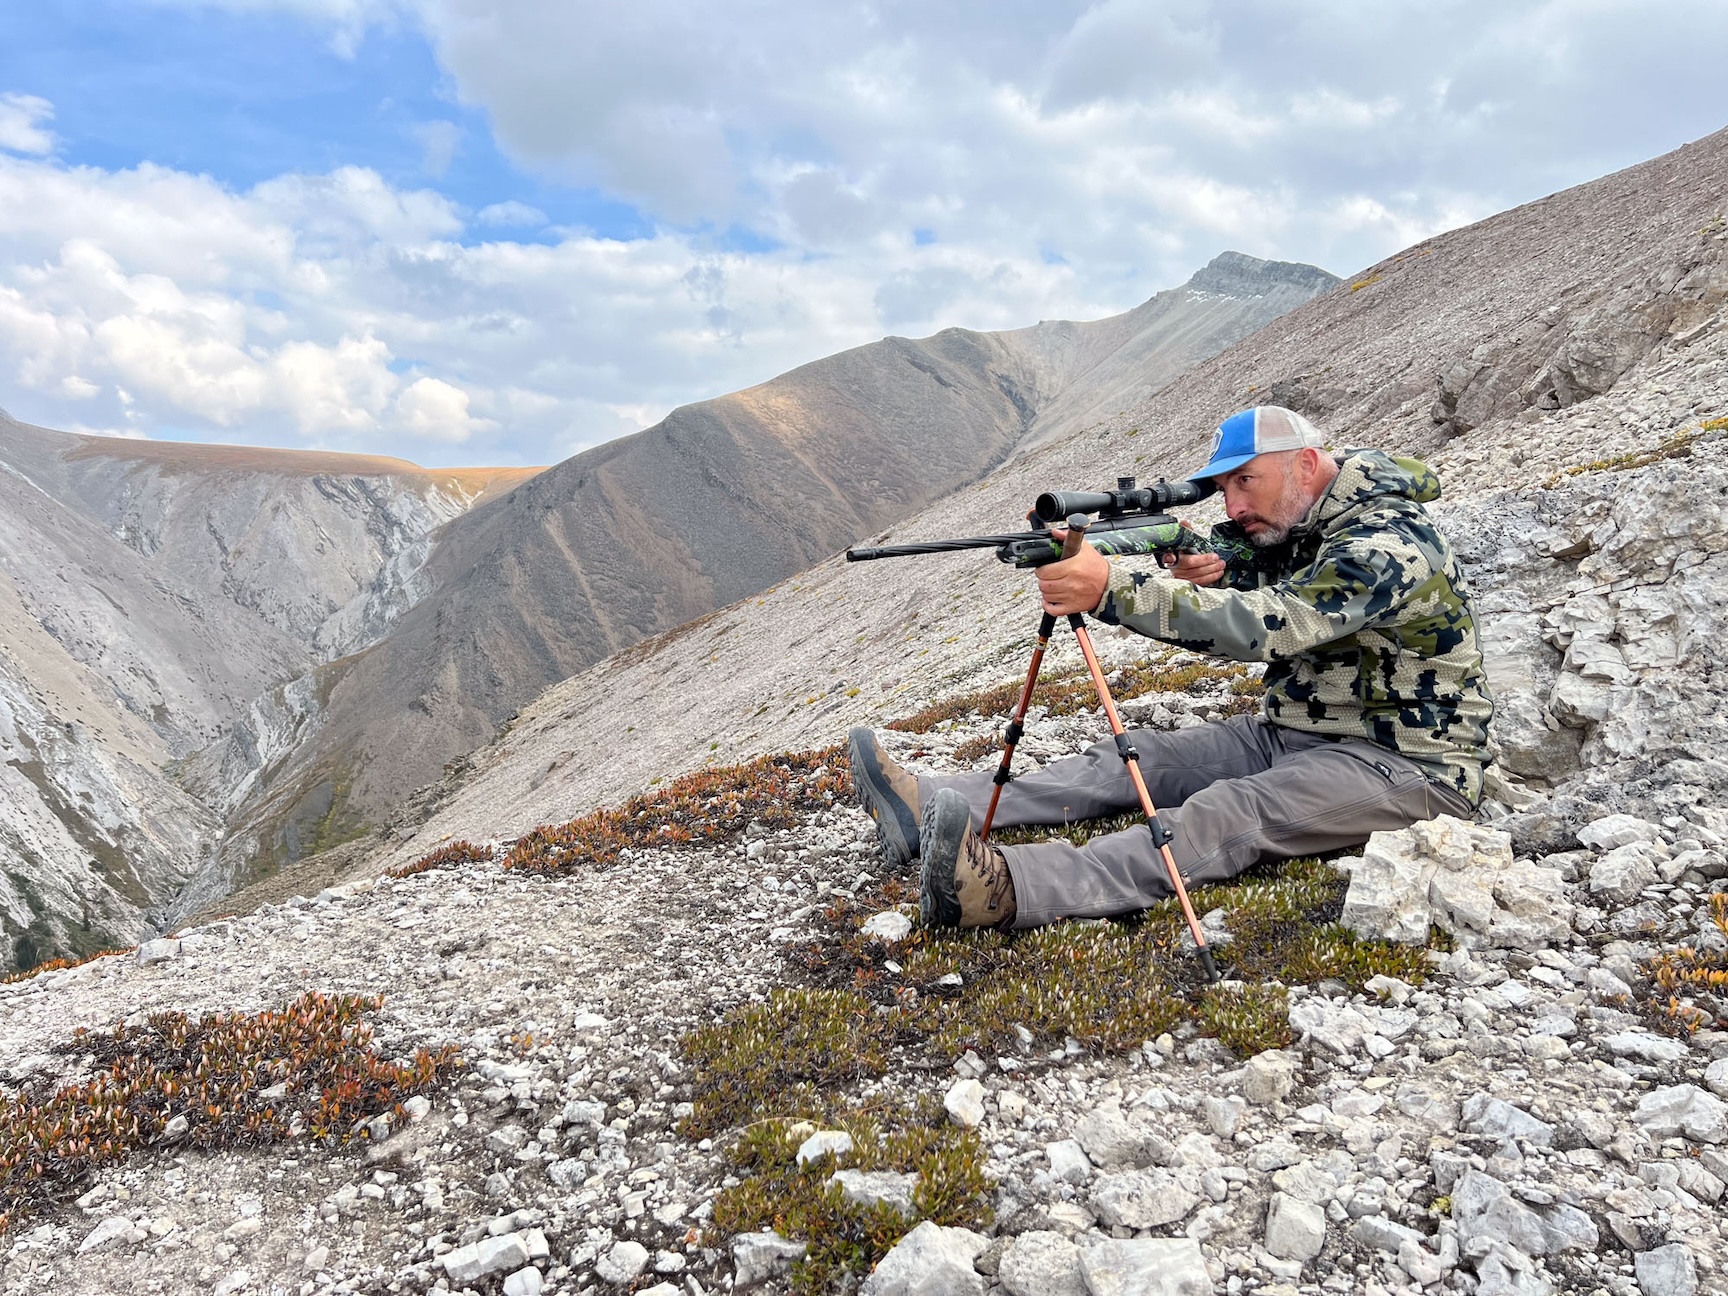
[[965, 881], [888, 794]]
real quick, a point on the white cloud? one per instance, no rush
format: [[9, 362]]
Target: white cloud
[[1057, 159], [433, 410], [21, 129], [439, 143], [510, 215]]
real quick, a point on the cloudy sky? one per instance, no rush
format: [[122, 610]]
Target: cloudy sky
[[501, 231]]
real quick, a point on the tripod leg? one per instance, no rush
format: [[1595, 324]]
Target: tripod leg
[[1017, 725], [1131, 758]]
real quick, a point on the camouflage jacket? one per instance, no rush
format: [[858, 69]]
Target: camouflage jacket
[[1362, 616]]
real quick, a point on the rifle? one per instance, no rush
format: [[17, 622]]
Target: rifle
[[1130, 520]]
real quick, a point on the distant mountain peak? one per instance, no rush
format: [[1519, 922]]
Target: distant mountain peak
[[1236, 274]]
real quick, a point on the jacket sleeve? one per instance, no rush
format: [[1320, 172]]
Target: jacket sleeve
[[1356, 578]]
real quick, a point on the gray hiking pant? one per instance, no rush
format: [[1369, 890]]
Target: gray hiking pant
[[1232, 793]]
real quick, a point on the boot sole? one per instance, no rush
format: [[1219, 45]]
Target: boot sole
[[896, 826], [946, 820]]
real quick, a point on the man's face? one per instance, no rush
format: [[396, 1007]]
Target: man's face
[[1265, 498]]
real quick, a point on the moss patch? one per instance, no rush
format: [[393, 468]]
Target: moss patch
[[1676, 446], [1109, 985], [844, 1238], [778, 1071]]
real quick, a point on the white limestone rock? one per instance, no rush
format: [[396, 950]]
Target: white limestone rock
[[1485, 1212], [1145, 1267], [1620, 876], [1496, 1118], [1112, 1141], [1295, 1229], [1068, 1162], [496, 1254], [160, 950], [1666, 1271], [1140, 1199], [1683, 1109], [1716, 1077], [878, 1188], [1644, 1046], [964, 1103], [1462, 877], [1616, 830], [1041, 1264], [1269, 1076], [929, 1261], [832, 1143], [890, 927], [757, 1257]]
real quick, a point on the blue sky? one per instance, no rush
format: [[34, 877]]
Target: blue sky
[[247, 96], [469, 231]]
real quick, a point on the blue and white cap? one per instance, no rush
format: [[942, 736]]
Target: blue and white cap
[[1257, 431]]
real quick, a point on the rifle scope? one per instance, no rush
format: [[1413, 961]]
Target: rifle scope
[[1055, 506]]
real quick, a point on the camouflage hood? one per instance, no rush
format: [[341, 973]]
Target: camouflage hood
[[1362, 616], [1365, 478]]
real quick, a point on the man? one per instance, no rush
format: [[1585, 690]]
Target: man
[[1375, 712]]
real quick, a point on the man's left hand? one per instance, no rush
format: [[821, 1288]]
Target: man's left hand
[[1074, 584]]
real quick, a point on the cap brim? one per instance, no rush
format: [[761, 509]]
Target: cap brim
[[1217, 467]]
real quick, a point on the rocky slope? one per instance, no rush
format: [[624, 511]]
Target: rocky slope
[[151, 596], [711, 506], [845, 643]]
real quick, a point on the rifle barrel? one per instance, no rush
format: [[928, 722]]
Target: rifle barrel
[[941, 546], [1124, 522]]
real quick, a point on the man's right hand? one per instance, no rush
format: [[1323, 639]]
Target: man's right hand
[[1199, 568]]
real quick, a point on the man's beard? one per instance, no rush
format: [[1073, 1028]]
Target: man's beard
[[1289, 509]]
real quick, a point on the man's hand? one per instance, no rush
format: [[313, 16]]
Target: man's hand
[[1200, 568], [1074, 584]]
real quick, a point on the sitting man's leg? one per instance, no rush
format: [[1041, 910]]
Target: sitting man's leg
[[1175, 764], [1087, 786], [1315, 796], [966, 881]]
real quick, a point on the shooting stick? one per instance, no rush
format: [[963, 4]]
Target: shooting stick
[[1161, 836]]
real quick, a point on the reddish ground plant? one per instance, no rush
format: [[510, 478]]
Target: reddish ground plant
[[310, 1069], [1696, 981], [56, 964], [446, 856], [698, 809]]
